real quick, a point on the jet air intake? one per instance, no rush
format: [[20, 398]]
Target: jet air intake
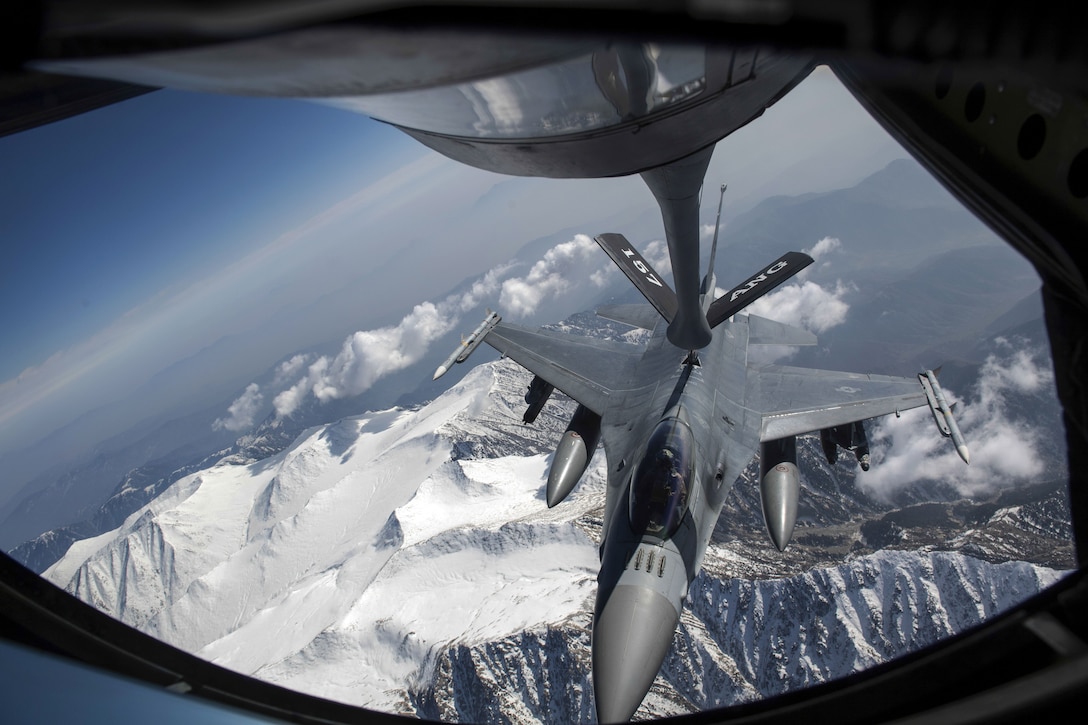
[[780, 483], [573, 454]]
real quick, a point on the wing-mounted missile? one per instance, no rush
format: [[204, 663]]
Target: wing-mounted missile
[[779, 486], [539, 392], [942, 413], [468, 344], [573, 454]]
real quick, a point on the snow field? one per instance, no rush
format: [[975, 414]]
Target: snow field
[[342, 565], [464, 574]]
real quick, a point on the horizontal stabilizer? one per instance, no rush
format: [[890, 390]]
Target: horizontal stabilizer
[[639, 271], [756, 286], [642, 316], [762, 331]]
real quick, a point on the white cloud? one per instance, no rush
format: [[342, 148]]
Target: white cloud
[[1022, 372], [289, 369], [657, 254], [287, 401], [805, 305], [563, 267], [823, 247], [369, 355], [241, 412], [604, 276], [1004, 449], [820, 252]]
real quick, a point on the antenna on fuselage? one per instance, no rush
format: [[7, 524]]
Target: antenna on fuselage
[[709, 280]]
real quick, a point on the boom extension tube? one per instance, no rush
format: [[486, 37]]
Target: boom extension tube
[[468, 345], [942, 413]]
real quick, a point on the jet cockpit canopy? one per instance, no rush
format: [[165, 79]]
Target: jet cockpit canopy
[[663, 479]]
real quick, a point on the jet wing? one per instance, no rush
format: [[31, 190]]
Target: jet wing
[[792, 401], [585, 369]]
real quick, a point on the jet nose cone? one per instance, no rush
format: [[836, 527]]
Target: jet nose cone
[[631, 637]]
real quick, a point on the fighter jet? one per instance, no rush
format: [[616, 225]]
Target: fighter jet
[[680, 419]]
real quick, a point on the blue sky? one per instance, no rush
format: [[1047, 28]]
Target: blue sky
[[101, 211]]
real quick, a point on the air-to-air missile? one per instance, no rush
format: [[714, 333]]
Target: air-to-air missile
[[942, 413], [468, 344]]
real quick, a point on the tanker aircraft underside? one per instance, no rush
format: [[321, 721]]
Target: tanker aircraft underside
[[680, 419]]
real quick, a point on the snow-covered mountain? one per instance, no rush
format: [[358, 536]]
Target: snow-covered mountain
[[405, 560]]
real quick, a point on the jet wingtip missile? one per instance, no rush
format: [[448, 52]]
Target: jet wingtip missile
[[468, 345], [942, 413]]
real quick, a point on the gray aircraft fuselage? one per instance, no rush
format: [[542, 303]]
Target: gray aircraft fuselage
[[679, 423], [645, 574]]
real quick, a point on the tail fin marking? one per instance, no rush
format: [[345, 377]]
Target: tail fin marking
[[639, 271], [756, 286]]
